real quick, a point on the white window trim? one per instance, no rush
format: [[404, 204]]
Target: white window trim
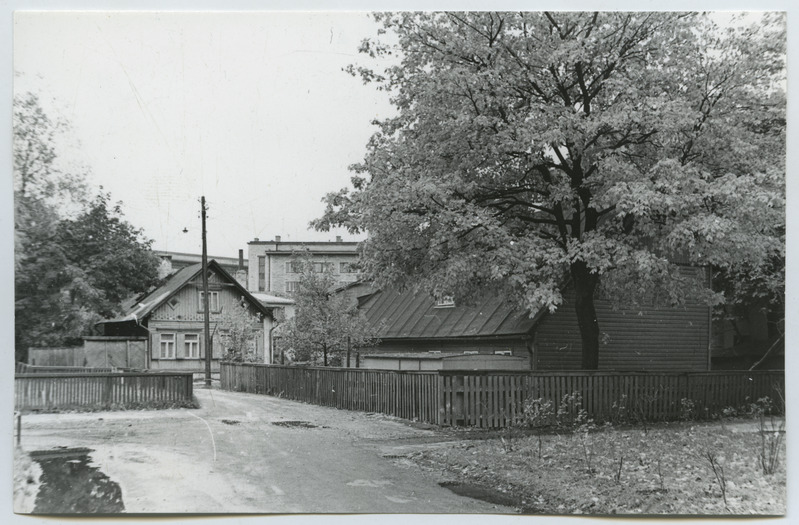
[[214, 304], [189, 344], [170, 344]]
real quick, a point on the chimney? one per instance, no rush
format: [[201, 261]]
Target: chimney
[[241, 259], [277, 238], [338, 238], [255, 240]]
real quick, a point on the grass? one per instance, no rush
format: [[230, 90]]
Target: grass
[[664, 470]]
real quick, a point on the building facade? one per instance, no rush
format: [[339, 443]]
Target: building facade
[[272, 269]]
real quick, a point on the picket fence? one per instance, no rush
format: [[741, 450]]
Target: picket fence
[[97, 390], [496, 399]]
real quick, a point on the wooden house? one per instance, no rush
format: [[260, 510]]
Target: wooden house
[[643, 338], [167, 323]]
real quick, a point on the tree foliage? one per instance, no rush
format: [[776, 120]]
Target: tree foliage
[[238, 331], [325, 325], [533, 149], [76, 259]]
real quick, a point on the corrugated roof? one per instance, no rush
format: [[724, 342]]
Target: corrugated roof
[[414, 315]]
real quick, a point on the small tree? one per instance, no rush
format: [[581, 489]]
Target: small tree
[[324, 326], [238, 331]]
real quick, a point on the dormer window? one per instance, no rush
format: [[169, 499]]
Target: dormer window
[[445, 301]]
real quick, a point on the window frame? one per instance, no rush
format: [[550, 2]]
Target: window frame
[[188, 344], [169, 343], [214, 294]]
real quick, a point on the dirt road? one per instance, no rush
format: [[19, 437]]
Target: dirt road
[[244, 453]]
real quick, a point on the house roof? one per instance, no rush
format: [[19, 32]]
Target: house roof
[[140, 307], [414, 315]]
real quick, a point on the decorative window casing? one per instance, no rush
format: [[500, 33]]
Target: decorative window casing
[[191, 345], [213, 304], [167, 346]]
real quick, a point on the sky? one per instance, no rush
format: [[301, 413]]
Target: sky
[[251, 110]]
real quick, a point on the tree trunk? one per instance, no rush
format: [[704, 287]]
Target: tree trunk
[[324, 352], [585, 284]]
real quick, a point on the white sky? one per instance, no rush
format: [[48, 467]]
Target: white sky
[[251, 110]]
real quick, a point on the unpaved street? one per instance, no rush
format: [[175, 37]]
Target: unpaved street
[[248, 453]]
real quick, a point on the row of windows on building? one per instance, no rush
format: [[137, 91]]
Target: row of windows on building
[[191, 345], [296, 267]]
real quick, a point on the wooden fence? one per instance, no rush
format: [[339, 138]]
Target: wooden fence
[[409, 395], [495, 399], [24, 368], [93, 390]]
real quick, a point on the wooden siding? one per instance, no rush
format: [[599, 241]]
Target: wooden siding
[[184, 316], [652, 338], [49, 392]]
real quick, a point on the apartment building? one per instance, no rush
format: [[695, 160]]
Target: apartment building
[[271, 267]]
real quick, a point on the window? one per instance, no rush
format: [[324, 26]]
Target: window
[[319, 267], [445, 301], [347, 267], [293, 267], [213, 305], [191, 345], [261, 273], [167, 346], [291, 286]]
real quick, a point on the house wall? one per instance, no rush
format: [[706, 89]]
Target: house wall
[[182, 315], [517, 347], [652, 338]]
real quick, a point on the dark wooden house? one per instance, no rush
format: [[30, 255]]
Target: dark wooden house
[[167, 323], [644, 338]]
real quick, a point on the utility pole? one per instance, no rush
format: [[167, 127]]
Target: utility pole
[[206, 302]]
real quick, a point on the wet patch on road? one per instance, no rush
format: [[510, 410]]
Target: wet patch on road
[[69, 485], [294, 424], [231, 422]]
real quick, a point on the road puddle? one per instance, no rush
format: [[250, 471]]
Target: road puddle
[[294, 424], [70, 485]]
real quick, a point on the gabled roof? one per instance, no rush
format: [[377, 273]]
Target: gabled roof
[[414, 315], [141, 307]]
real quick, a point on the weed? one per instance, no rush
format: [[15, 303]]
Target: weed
[[617, 474], [687, 409], [772, 433], [718, 471], [538, 414]]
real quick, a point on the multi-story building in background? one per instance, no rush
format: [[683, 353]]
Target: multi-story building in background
[[272, 268]]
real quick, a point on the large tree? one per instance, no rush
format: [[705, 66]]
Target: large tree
[[76, 259], [531, 150]]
